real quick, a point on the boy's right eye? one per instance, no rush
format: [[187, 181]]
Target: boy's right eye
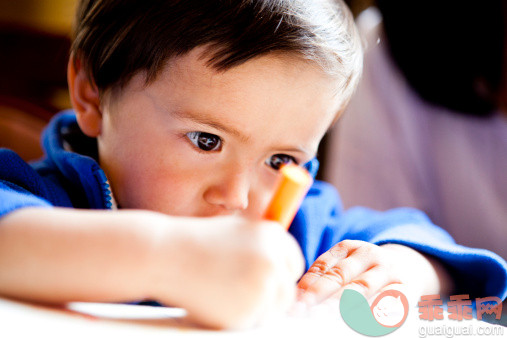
[[205, 141]]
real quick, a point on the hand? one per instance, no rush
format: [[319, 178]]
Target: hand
[[368, 269], [232, 272]]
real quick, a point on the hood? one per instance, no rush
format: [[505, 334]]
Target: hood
[[80, 170]]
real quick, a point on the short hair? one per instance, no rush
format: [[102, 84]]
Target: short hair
[[115, 39]]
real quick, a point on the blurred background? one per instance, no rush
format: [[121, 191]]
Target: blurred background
[[34, 44], [34, 47]]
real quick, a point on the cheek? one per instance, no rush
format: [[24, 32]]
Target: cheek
[[150, 173], [164, 188], [174, 183]]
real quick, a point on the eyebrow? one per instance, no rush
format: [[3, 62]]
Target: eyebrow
[[209, 121], [299, 149]]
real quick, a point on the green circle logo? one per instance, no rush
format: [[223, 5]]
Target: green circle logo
[[386, 314]]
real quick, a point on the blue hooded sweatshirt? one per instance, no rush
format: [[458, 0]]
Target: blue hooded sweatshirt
[[66, 178]]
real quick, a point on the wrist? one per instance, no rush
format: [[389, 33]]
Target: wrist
[[422, 273], [166, 270]]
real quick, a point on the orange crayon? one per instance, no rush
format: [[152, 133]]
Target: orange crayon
[[293, 184]]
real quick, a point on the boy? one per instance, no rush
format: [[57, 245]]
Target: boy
[[190, 108]]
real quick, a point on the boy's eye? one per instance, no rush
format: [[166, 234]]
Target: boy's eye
[[276, 161], [205, 141]]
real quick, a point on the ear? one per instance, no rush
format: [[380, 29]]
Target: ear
[[85, 99]]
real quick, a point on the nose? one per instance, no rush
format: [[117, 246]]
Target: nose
[[230, 191]]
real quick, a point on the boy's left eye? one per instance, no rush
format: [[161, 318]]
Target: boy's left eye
[[276, 161], [205, 141]]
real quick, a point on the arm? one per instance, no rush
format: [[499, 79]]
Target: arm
[[56, 255], [403, 246], [225, 271]]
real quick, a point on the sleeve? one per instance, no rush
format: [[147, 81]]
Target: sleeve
[[13, 197], [20, 185], [313, 226], [321, 223], [477, 272]]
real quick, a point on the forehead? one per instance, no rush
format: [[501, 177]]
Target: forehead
[[275, 75], [265, 93]]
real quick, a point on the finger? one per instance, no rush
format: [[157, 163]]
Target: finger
[[335, 278], [369, 283], [295, 260], [285, 299], [286, 249], [326, 261], [279, 301], [286, 289], [288, 268]]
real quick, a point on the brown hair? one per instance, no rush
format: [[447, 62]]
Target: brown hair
[[115, 39]]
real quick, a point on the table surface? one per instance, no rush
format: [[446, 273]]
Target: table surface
[[120, 320]]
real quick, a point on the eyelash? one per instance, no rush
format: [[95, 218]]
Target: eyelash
[[285, 159], [198, 137]]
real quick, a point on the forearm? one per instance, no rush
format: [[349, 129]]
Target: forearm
[[58, 255], [225, 271]]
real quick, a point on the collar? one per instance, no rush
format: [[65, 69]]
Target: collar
[[82, 172]]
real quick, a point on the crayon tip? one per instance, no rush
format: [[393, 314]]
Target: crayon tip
[[293, 184]]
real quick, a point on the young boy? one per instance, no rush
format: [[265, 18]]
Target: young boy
[[183, 113]]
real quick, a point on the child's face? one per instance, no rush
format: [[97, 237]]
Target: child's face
[[196, 142]]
